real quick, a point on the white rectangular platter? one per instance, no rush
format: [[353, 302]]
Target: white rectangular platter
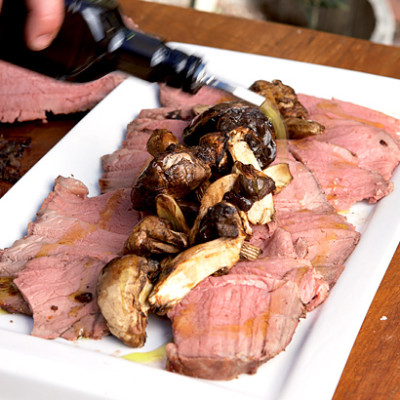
[[313, 362]]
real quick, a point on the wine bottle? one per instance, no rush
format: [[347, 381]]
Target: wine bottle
[[94, 41]]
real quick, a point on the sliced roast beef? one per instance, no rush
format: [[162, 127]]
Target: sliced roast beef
[[183, 112], [303, 192], [279, 244], [113, 180], [313, 290], [25, 95], [326, 239], [231, 324], [337, 171], [124, 159], [341, 110], [171, 97], [149, 125], [375, 149], [61, 292], [73, 235], [56, 234], [112, 211]]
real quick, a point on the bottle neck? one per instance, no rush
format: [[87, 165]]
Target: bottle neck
[[149, 58]]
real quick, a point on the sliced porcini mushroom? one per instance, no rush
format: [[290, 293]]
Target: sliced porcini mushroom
[[249, 252], [176, 173], [299, 128], [190, 267], [239, 148], [225, 220], [250, 186], [213, 195], [280, 173], [221, 220], [168, 209], [212, 149], [160, 140], [154, 235], [294, 114], [262, 211], [252, 193], [122, 292], [224, 117], [285, 97]]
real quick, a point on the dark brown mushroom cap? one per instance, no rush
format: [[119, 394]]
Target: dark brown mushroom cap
[[299, 128], [285, 97], [221, 220], [153, 236], [251, 186], [212, 150], [160, 141], [176, 173], [224, 117]]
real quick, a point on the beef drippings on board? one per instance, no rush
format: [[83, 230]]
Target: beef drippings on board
[[10, 153]]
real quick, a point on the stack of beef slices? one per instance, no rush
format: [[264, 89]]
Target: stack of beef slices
[[230, 324], [52, 272]]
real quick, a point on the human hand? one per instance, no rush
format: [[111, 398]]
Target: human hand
[[43, 22]]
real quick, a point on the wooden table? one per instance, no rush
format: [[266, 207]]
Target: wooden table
[[373, 368]]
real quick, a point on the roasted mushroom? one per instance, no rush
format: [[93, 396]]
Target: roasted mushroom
[[160, 140], [224, 117], [176, 172], [213, 195], [187, 269], [281, 175], [295, 115], [285, 97], [221, 220], [170, 210], [123, 287], [154, 235], [252, 193], [212, 150], [299, 128]]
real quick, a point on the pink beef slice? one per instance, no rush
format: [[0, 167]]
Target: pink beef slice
[[280, 243], [375, 149], [313, 289], [171, 97], [61, 292], [25, 95], [125, 159], [232, 324], [303, 192], [71, 224], [336, 169], [185, 113], [325, 239], [57, 234], [149, 125], [113, 180], [112, 211], [331, 111]]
